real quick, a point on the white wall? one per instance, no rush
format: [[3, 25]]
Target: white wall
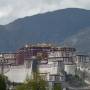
[[18, 73], [70, 69]]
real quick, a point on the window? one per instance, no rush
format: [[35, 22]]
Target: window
[[51, 78], [57, 78]]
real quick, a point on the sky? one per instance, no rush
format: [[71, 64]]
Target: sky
[[14, 9]]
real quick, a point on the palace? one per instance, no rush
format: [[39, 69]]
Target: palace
[[54, 63]]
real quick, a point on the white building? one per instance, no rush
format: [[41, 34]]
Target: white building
[[67, 56], [53, 70], [8, 58], [82, 59]]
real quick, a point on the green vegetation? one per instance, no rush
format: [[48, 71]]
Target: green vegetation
[[37, 83], [75, 81], [57, 86], [2, 82]]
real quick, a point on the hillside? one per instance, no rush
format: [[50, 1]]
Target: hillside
[[81, 40], [53, 27]]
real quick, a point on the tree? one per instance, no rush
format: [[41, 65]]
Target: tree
[[57, 86], [2, 82], [37, 83], [21, 87]]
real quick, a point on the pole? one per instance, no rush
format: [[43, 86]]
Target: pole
[[2, 68]]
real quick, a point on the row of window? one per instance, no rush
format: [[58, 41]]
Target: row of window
[[56, 78]]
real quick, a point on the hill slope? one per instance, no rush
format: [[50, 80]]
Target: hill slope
[[49, 27], [81, 40]]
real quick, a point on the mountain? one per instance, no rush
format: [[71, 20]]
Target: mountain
[[81, 40], [53, 27]]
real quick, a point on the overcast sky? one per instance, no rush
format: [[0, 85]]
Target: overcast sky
[[13, 9]]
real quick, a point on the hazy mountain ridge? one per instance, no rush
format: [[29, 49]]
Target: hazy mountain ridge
[[53, 27], [81, 40]]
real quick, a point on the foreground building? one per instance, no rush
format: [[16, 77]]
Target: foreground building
[[54, 63]]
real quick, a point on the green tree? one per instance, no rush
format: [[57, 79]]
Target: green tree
[[21, 87], [57, 86], [37, 83], [2, 82]]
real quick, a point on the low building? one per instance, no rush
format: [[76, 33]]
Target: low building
[[9, 58], [82, 59], [53, 63]]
